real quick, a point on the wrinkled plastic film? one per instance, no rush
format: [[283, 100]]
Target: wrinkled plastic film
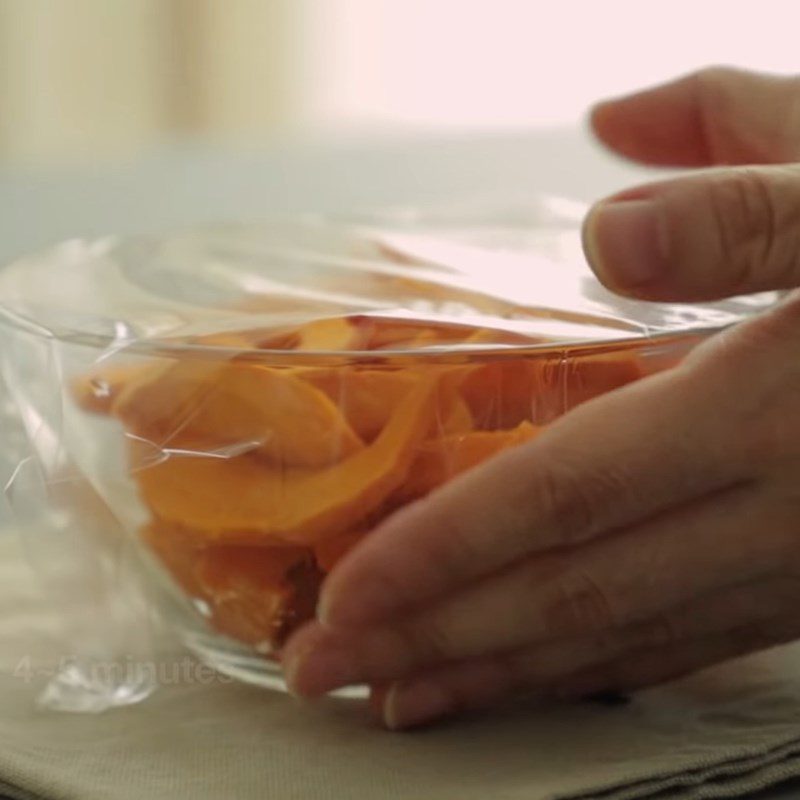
[[83, 561], [12, 451], [215, 418]]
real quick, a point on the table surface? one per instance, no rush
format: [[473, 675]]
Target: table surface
[[187, 186]]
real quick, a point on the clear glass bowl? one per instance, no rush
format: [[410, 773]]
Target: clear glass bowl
[[232, 408]]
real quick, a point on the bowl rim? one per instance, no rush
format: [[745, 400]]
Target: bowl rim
[[175, 346], [447, 353]]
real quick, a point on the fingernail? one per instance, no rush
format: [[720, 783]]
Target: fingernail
[[322, 611], [290, 666], [318, 672], [625, 242], [407, 706]]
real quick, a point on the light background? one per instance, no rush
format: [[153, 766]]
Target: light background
[[87, 80]]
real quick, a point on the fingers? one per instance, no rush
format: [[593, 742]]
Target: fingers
[[604, 585], [720, 419], [585, 475], [711, 235], [657, 666], [711, 629], [717, 116], [601, 587]]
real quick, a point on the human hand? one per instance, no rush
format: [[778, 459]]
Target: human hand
[[650, 532]]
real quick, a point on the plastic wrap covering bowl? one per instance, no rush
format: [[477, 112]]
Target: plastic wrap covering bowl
[[218, 416]]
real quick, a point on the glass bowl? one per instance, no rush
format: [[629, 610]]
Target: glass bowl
[[233, 408]]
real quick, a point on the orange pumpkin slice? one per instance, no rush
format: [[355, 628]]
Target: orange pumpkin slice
[[566, 383], [250, 593], [459, 419], [369, 397], [205, 407], [243, 500], [391, 333], [501, 394], [254, 593], [491, 336], [334, 333], [366, 397], [439, 460]]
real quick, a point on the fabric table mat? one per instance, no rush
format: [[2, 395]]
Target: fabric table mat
[[722, 733]]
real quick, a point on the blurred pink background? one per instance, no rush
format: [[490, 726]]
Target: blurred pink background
[[86, 80]]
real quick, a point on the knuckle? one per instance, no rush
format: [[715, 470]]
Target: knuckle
[[715, 75], [579, 605], [756, 227], [742, 213], [720, 92], [431, 640], [713, 87], [564, 498], [573, 502], [768, 349], [461, 542]]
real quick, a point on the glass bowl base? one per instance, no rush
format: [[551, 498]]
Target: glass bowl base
[[244, 664]]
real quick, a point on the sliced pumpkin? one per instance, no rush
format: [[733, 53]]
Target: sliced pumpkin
[[459, 419], [334, 333], [565, 383], [206, 407], [369, 397], [439, 460], [501, 394], [366, 397], [390, 333], [255, 592], [251, 593], [241, 499], [499, 336]]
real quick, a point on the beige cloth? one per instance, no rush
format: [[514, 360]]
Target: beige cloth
[[720, 734]]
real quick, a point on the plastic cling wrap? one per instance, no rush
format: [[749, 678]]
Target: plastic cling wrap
[[213, 419]]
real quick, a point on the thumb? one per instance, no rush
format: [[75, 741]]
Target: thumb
[[715, 234]]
